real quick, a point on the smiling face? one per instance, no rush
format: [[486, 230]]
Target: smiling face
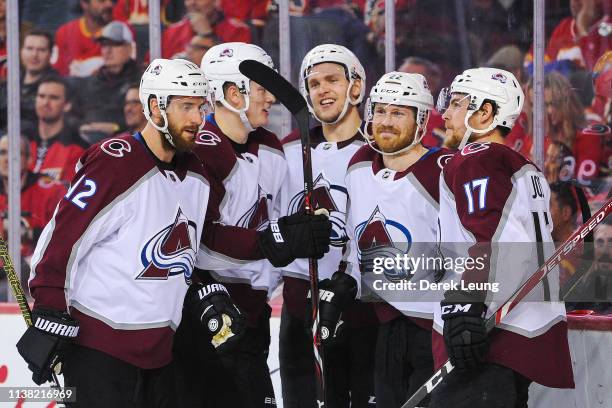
[[327, 86], [393, 126], [184, 119], [260, 101]]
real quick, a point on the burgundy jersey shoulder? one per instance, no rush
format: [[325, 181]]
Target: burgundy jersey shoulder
[[484, 159], [264, 137], [363, 154], [215, 151], [315, 133], [427, 170], [293, 136]]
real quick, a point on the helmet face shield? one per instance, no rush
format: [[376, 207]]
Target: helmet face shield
[[443, 101]]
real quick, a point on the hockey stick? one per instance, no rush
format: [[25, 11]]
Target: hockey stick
[[552, 262], [22, 301], [295, 103]]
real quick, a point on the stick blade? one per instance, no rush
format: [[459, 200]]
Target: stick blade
[[275, 83]]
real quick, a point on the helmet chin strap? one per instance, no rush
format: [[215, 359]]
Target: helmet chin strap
[[469, 130], [164, 128], [241, 112]]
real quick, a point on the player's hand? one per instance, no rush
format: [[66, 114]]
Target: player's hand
[[465, 334], [335, 295], [295, 236], [220, 318], [44, 344]]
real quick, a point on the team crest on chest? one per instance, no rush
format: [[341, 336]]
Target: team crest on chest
[[171, 251], [380, 237], [331, 197], [256, 217]]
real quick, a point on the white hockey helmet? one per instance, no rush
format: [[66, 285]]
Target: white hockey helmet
[[482, 84], [403, 89], [164, 78], [339, 55], [220, 65]]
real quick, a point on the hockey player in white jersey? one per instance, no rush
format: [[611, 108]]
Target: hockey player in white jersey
[[333, 82], [495, 201], [110, 271], [248, 161], [393, 206]]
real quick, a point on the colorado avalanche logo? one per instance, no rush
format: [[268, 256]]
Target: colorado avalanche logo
[[499, 77], [331, 197], [256, 217], [171, 251], [379, 237], [207, 138], [228, 52]]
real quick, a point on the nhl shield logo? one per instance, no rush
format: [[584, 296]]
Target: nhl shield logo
[[171, 251]]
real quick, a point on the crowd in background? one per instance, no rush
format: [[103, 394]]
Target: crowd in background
[[81, 61]]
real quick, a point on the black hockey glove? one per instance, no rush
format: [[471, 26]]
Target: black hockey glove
[[46, 342], [295, 236], [464, 333], [211, 306], [335, 295]]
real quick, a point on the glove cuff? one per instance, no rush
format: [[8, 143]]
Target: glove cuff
[[206, 291], [58, 324]]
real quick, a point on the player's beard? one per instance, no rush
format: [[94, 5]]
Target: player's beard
[[180, 144], [400, 141]]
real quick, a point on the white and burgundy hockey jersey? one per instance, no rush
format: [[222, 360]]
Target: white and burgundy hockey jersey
[[491, 194], [120, 247], [329, 163], [397, 212], [251, 175]]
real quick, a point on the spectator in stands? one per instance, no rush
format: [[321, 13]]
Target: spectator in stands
[[563, 210], [198, 46], [78, 54], [594, 291], [36, 62], [100, 96], [566, 123], [434, 134], [204, 18], [559, 163], [35, 59], [135, 119], [579, 40], [55, 146], [39, 197]]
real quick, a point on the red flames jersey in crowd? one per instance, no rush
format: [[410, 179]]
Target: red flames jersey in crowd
[[39, 197], [177, 36], [55, 157], [136, 11], [246, 9], [565, 44], [518, 139], [75, 52]]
